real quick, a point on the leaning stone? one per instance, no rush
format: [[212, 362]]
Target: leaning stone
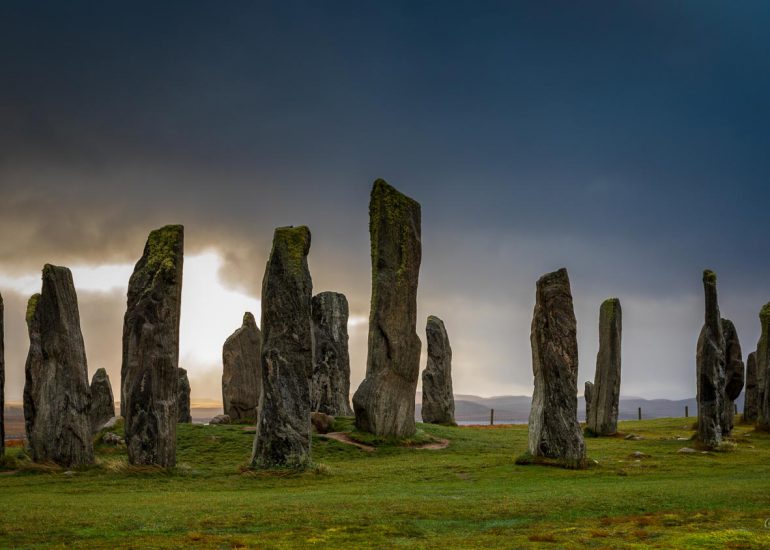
[[220, 419], [710, 361], [751, 397], [322, 423], [102, 402], [384, 402], [242, 370], [56, 393], [283, 423], [603, 418], [150, 378], [183, 398], [438, 402], [330, 387], [734, 375], [554, 431]]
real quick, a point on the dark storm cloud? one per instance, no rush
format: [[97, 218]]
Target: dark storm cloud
[[626, 141]]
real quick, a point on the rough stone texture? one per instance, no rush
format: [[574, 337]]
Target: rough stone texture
[[149, 374], [384, 402], [183, 399], [330, 387], [763, 363], [733, 375], [242, 370], [2, 378], [751, 399], [283, 423], [56, 392], [322, 422], [102, 401], [220, 419], [438, 402], [603, 418], [588, 394], [554, 431], [710, 361]]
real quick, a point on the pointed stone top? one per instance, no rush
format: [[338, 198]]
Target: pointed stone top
[[394, 197], [32, 306], [101, 373], [709, 277], [432, 319], [248, 319], [182, 372], [163, 247]]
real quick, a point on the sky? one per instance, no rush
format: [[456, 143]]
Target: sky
[[625, 141]]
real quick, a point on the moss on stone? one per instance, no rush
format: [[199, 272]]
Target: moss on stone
[[293, 244], [162, 248], [32, 306], [609, 309], [709, 277], [764, 313]]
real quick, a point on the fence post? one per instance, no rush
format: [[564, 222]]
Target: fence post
[[491, 417], [640, 413], [686, 411]]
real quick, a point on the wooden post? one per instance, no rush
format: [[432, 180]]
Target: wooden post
[[640, 413], [491, 417], [686, 411]]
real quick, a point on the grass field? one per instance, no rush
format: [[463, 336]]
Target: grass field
[[469, 495]]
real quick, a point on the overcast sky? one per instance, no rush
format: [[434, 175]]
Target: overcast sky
[[625, 141]]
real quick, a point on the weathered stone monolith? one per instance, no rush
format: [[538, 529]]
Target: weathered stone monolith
[[2, 378], [242, 371], [734, 375], [710, 362], [554, 431], [283, 423], [102, 400], [183, 398], [588, 394], [330, 387], [603, 419], [149, 374], [438, 402], [384, 402], [751, 399], [763, 364], [56, 392]]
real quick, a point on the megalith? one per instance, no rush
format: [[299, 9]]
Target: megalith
[[603, 418], [242, 371], [183, 398], [438, 402], [102, 400], [330, 387], [734, 375]]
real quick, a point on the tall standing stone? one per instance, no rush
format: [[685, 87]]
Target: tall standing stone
[[588, 395], [283, 423], [102, 400], [242, 371], [438, 402], [2, 378], [751, 399], [183, 398], [56, 392], [763, 364], [554, 431], [330, 388], [710, 360], [150, 379], [734, 375], [384, 402], [603, 418]]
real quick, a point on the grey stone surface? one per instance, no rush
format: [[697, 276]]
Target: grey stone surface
[[588, 395], [242, 370], [763, 364], [384, 402], [149, 374], [438, 402], [710, 361], [183, 398], [751, 399], [283, 423], [56, 392], [734, 375], [554, 431], [220, 419], [322, 422], [330, 387], [603, 417], [102, 400], [2, 378]]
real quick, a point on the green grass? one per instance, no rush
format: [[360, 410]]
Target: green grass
[[469, 495]]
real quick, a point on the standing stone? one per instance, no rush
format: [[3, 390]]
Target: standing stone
[[330, 388], [763, 364], [554, 431], [603, 419], [183, 398], [56, 392], [588, 395], [102, 401], [751, 399], [242, 371], [733, 375], [149, 374], [438, 402], [710, 359], [283, 423], [2, 379], [384, 402]]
